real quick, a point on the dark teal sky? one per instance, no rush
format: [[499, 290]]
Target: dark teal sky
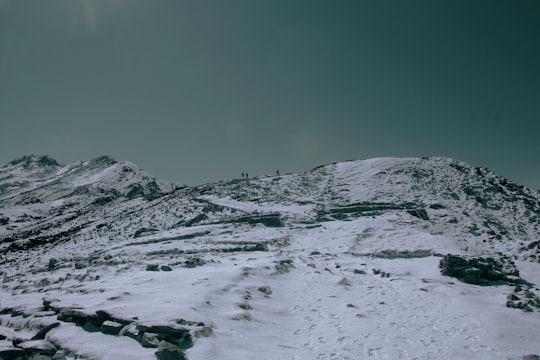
[[196, 91]]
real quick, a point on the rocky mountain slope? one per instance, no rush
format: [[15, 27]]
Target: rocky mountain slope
[[345, 261]]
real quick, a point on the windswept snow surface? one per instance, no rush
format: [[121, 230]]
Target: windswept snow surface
[[311, 286]]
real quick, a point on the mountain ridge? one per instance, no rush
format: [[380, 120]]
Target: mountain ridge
[[329, 263]]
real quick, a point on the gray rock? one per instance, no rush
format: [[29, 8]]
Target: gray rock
[[130, 331], [150, 340], [11, 353], [480, 270], [152, 267], [168, 351], [41, 333], [266, 290], [162, 328], [111, 327], [42, 347]]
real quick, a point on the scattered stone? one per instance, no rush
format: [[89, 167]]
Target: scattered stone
[[524, 299], [266, 290], [60, 355], [41, 333], [166, 328], [18, 311], [344, 282], [419, 213], [111, 327], [42, 347], [78, 316], [284, 266], [168, 351], [152, 267], [352, 306], [165, 268], [53, 264], [359, 272], [44, 313], [80, 265], [130, 331], [149, 340], [245, 306], [48, 301], [206, 331], [105, 315], [194, 262]]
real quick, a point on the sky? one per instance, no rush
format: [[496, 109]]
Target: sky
[[204, 90]]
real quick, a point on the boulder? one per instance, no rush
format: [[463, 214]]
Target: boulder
[[111, 327], [149, 340], [168, 351], [130, 331]]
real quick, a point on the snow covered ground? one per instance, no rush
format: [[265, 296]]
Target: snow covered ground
[[314, 287]]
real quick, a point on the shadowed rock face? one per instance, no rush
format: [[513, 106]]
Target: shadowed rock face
[[480, 270]]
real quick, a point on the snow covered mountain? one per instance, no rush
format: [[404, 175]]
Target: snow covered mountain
[[346, 261]]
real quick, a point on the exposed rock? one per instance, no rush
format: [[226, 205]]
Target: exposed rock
[[194, 262], [284, 266], [152, 267], [419, 213], [89, 320], [266, 290], [168, 351], [105, 315], [401, 254], [41, 333], [480, 270], [206, 331], [111, 327], [42, 347], [149, 340], [131, 331], [44, 313], [524, 299], [163, 328], [165, 268], [11, 353], [144, 232]]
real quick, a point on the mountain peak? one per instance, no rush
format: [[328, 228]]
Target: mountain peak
[[103, 160], [34, 159]]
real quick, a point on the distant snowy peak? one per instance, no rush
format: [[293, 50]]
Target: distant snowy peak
[[38, 178], [33, 160]]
